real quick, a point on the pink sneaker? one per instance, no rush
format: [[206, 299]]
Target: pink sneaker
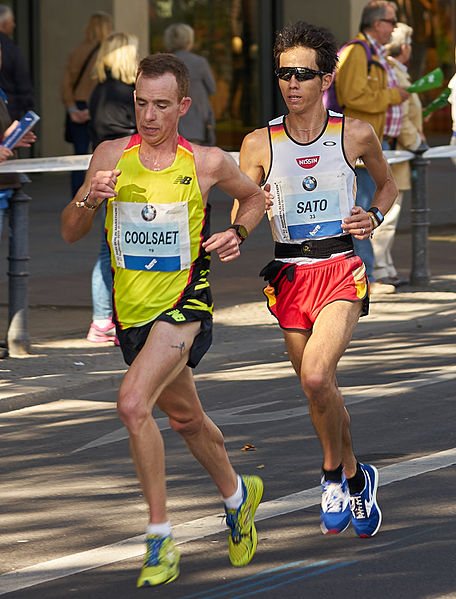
[[105, 334]]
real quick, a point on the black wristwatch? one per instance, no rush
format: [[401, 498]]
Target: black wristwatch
[[241, 231], [378, 216]]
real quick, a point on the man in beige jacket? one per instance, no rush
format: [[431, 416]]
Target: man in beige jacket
[[411, 136]]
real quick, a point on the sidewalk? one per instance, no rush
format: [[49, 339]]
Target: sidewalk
[[62, 361]]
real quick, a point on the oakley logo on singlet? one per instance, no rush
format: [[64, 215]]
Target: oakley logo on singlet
[[308, 162], [183, 180]]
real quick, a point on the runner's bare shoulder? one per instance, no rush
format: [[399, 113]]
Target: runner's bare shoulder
[[359, 137], [107, 154]]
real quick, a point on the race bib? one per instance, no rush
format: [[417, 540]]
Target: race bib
[[309, 206], [151, 236]]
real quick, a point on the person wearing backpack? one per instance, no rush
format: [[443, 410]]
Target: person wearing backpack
[[366, 91]]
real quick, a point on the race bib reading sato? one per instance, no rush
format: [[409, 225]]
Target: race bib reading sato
[[310, 206]]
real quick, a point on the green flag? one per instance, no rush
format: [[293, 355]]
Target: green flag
[[430, 81], [439, 102]]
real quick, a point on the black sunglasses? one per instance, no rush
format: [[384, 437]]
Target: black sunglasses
[[301, 73], [392, 22]]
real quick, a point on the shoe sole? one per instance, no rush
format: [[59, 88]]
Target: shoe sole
[[374, 495], [148, 583], [253, 529], [332, 531]]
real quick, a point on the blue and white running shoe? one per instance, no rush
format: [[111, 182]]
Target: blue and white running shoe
[[366, 515], [335, 509]]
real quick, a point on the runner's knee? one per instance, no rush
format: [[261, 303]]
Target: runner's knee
[[132, 409]]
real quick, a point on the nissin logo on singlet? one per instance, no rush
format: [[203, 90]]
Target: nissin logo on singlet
[[308, 162]]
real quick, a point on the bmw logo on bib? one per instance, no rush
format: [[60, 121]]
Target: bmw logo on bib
[[309, 183], [148, 212]]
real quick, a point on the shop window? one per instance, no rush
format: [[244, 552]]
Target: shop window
[[227, 35]]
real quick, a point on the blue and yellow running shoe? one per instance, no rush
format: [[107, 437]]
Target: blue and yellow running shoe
[[366, 515], [243, 536], [161, 562]]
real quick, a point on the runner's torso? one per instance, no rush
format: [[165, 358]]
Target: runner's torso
[[154, 227], [313, 184]]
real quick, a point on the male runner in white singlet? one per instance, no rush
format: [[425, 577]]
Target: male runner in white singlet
[[317, 286]]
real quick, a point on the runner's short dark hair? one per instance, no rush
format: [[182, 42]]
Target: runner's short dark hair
[[308, 36], [159, 64]]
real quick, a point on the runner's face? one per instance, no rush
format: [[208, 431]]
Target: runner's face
[[301, 95], [157, 107]]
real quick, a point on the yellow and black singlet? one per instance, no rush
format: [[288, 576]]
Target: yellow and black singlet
[[155, 227]]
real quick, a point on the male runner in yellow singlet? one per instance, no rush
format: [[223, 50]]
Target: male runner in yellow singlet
[[156, 186], [317, 286]]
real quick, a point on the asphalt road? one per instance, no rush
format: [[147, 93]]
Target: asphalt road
[[72, 515], [69, 492]]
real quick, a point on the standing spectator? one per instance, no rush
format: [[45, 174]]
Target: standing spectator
[[198, 125], [14, 76], [367, 90], [410, 137], [77, 85], [452, 100], [8, 182], [112, 115]]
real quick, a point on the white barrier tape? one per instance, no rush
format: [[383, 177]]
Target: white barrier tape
[[53, 164], [440, 152], [395, 156], [47, 165]]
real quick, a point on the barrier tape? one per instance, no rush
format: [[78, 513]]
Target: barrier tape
[[81, 163]]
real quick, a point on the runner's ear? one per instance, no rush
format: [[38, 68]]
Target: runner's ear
[[184, 105]]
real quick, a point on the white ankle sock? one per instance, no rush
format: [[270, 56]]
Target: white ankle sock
[[161, 530], [233, 502]]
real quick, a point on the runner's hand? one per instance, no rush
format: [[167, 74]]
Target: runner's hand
[[358, 223], [226, 244], [102, 186], [268, 196]]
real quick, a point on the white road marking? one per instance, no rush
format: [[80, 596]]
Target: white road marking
[[202, 527], [232, 416]]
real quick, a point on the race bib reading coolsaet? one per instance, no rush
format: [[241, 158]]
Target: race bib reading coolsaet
[[152, 237]]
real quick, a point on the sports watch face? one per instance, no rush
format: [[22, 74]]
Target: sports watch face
[[242, 231]]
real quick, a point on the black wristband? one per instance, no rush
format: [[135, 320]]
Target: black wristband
[[378, 216]]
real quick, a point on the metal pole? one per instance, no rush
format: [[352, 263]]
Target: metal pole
[[419, 275], [18, 339]]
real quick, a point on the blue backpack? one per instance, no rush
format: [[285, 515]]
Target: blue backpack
[[330, 96]]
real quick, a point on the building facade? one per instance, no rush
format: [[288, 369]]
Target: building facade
[[236, 37]]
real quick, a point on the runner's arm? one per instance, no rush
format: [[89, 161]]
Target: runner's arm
[[361, 141], [227, 176], [99, 183], [253, 158]]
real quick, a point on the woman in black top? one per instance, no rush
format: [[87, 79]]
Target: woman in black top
[[112, 115]]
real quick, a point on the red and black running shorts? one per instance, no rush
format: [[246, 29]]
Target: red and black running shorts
[[296, 294]]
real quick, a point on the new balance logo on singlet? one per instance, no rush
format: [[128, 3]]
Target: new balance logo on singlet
[[183, 180]]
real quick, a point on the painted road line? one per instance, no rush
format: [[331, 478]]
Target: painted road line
[[237, 415], [203, 527]]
